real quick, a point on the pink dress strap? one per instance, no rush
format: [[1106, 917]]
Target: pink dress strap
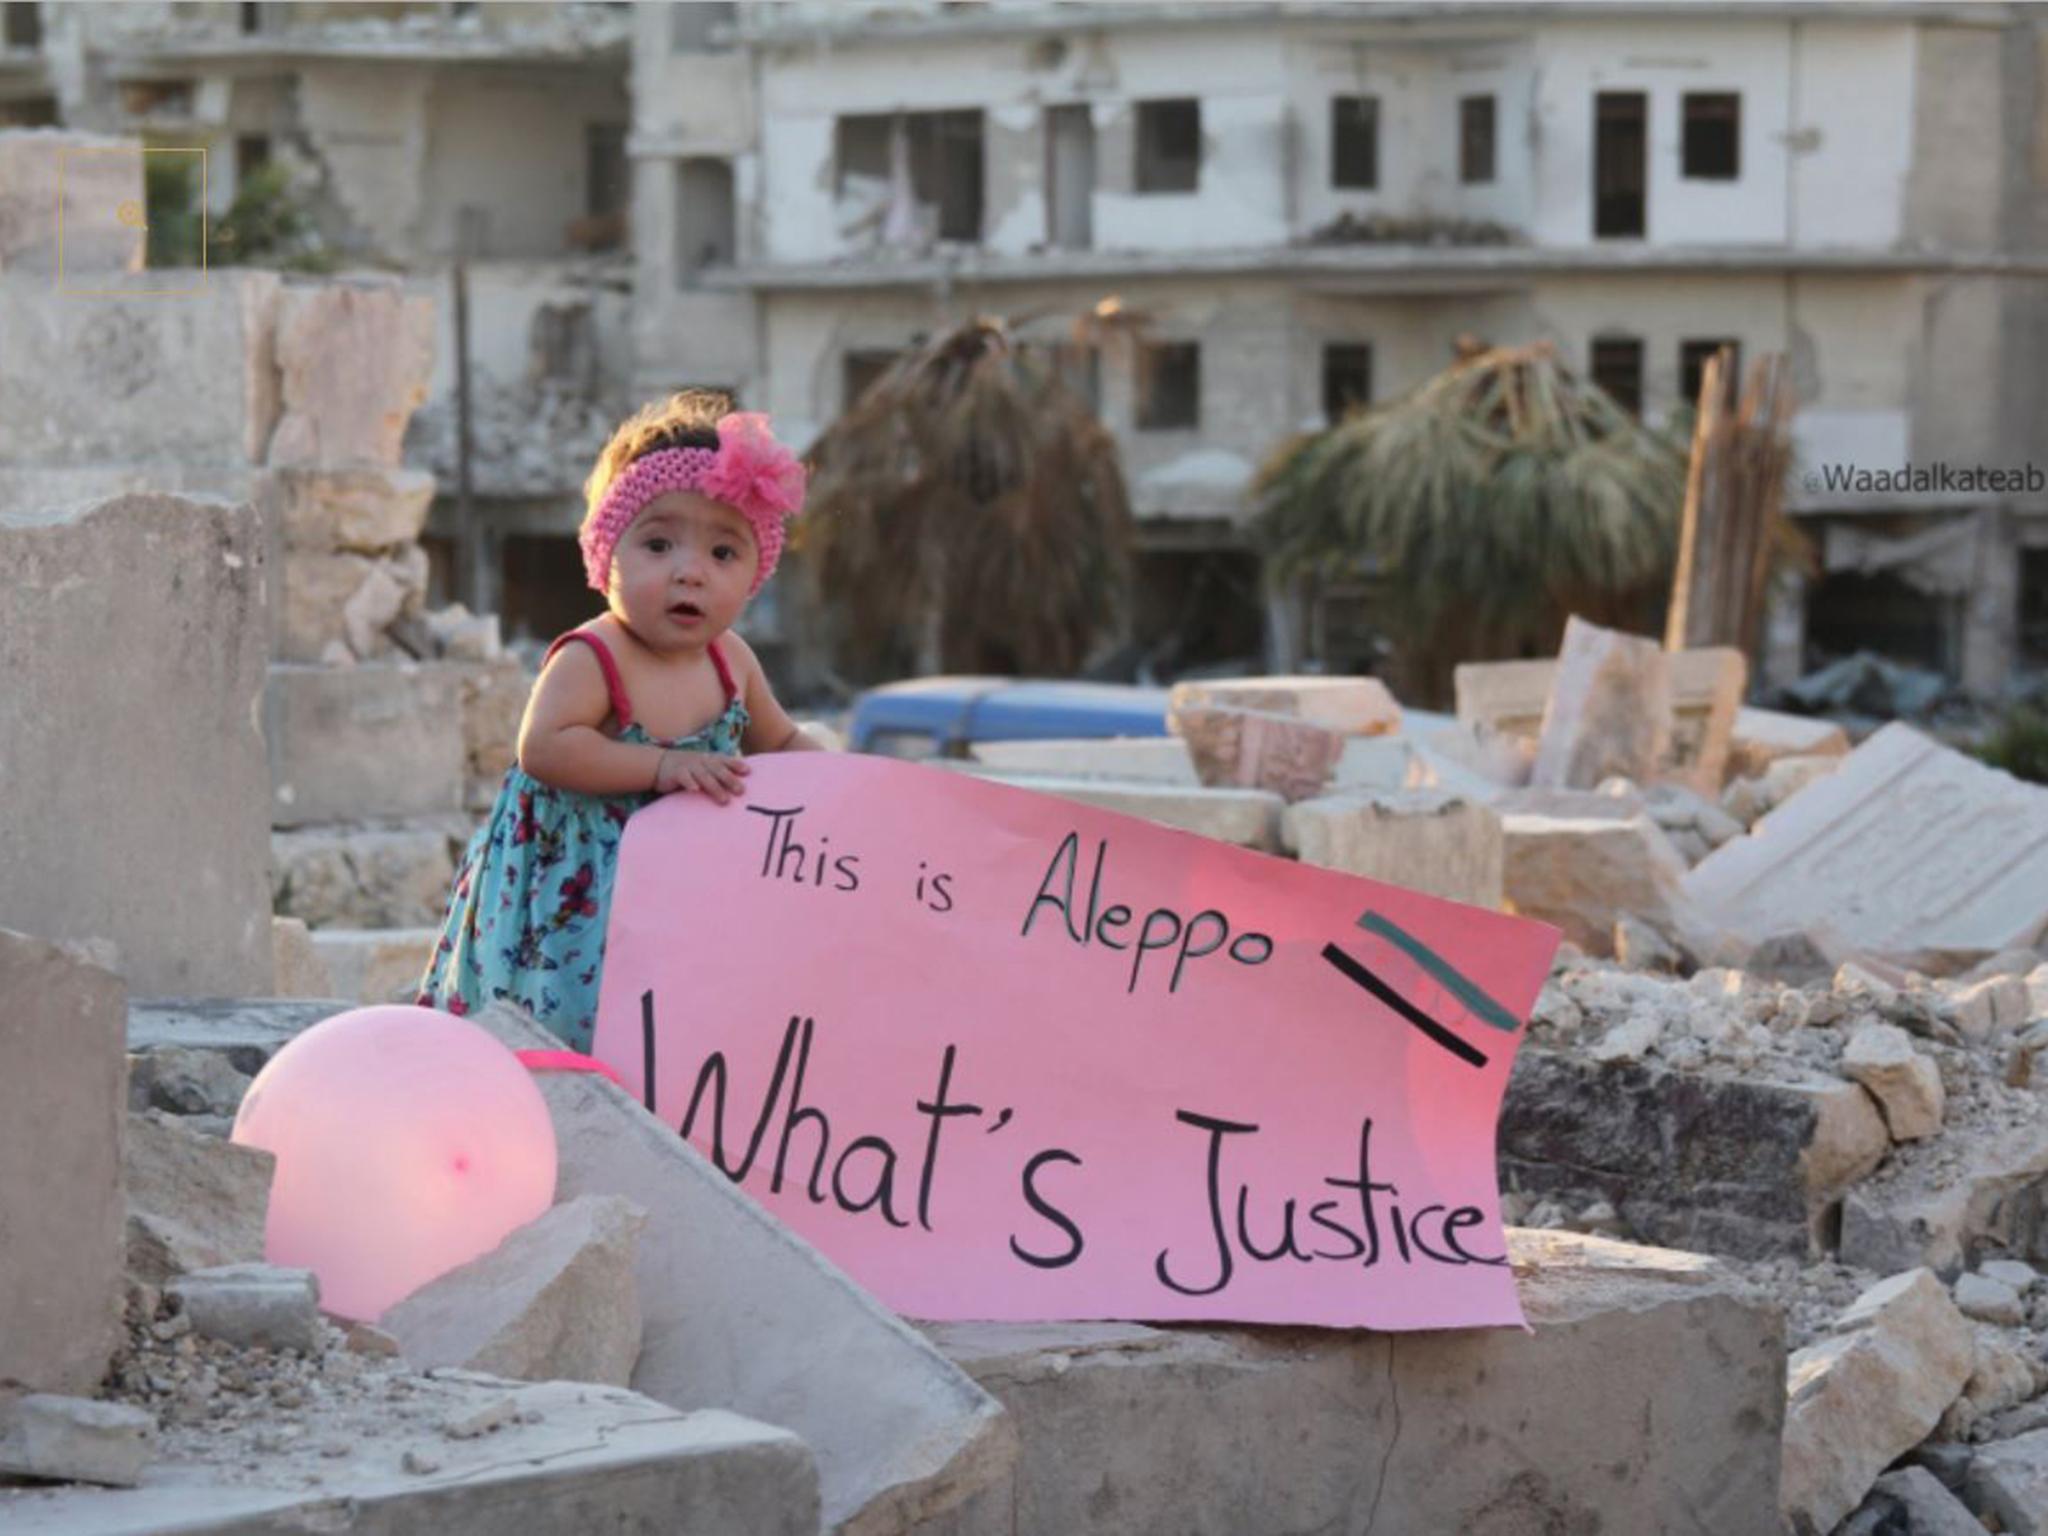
[[724, 672], [621, 706]]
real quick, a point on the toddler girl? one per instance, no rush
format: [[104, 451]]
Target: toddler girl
[[684, 524]]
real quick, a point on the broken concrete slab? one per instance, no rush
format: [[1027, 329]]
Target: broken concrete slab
[[555, 1301], [1927, 1508], [366, 511], [1762, 736], [1249, 818], [257, 1305], [180, 1081], [2009, 1480], [248, 1031], [77, 1440], [899, 1433], [354, 359], [1148, 759], [1355, 706], [194, 1201], [1906, 1084], [1910, 850], [1989, 1300], [1981, 1192], [570, 1459], [175, 869], [1205, 1429], [298, 969], [1424, 839], [1584, 872], [1609, 710], [1869, 1392], [376, 965], [62, 1107], [363, 743], [377, 875], [1744, 1166], [1259, 749]]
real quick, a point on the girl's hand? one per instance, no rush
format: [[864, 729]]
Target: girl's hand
[[706, 773]]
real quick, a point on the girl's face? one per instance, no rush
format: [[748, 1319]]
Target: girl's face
[[681, 574]]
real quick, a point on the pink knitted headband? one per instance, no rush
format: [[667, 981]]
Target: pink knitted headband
[[749, 471]]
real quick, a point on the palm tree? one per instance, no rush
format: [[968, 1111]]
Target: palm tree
[[971, 515], [1482, 508]]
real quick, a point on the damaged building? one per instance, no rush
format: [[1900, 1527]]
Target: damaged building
[[1310, 204]]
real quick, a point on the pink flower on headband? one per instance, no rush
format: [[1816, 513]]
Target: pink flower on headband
[[753, 471], [749, 471]]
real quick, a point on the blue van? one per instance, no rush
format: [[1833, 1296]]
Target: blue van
[[943, 716]]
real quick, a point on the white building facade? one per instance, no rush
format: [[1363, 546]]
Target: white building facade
[[1312, 203]]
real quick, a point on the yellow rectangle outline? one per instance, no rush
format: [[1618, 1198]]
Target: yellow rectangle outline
[[130, 293]]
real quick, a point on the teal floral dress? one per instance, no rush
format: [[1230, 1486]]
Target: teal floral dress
[[526, 919]]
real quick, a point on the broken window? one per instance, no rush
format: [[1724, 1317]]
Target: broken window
[[922, 171], [691, 26], [1169, 386], [604, 186], [1475, 138], [252, 153], [1620, 152], [860, 368], [1169, 145], [707, 217], [252, 17], [1618, 369], [1355, 142], [152, 98], [1713, 134], [1347, 378], [29, 112], [23, 24], [1692, 368]]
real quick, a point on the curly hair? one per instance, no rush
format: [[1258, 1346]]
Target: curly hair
[[686, 419]]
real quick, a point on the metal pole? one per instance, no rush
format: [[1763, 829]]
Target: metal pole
[[469, 540]]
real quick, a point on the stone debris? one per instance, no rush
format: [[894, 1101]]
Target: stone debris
[[1609, 710], [300, 972], [1992, 1301], [1867, 1393], [556, 1300], [1236, 748], [1761, 736], [1915, 1499], [252, 1305], [1351, 706], [1428, 840], [76, 1440], [2009, 1483], [195, 1202], [1905, 1083], [181, 1081], [1584, 873]]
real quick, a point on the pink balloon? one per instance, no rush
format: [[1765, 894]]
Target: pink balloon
[[408, 1141]]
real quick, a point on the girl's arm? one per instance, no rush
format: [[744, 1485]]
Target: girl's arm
[[560, 743], [769, 728]]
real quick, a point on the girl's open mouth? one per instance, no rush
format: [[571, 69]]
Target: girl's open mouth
[[687, 611]]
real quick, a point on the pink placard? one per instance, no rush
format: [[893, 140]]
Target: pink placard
[[1003, 1056]]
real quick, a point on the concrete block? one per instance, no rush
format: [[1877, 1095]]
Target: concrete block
[[2009, 1481], [363, 742], [77, 1440], [1910, 850], [1989, 1300], [1867, 1393], [113, 381], [367, 511], [376, 965], [61, 1109], [898, 1432], [1762, 736], [1424, 839], [1742, 1166], [353, 360], [555, 1301], [1250, 818], [313, 594], [494, 698], [252, 1305], [1259, 749], [1609, 710], [300, 972], [194, 1201], [1151, 759], [381, 875], [1927, 1508], [571, 1459], [1220, 1431], [1583, 872], [90, 177], [153, 834], [1356, 706], [1978, 1192]]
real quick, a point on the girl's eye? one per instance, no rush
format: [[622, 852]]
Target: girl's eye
[[726, 552], [659, 546]]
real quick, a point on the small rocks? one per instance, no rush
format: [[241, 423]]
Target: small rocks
[[1995, 1006], [1990, 1300], [419, 1463], [481, 1419], [1906, 1085]]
